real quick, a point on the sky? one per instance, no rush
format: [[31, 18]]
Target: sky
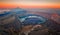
[[30, 3]]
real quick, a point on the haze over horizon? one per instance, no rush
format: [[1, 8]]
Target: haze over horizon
[[30, 3]]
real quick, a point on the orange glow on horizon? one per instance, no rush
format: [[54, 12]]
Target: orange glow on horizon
[[3, 5]]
